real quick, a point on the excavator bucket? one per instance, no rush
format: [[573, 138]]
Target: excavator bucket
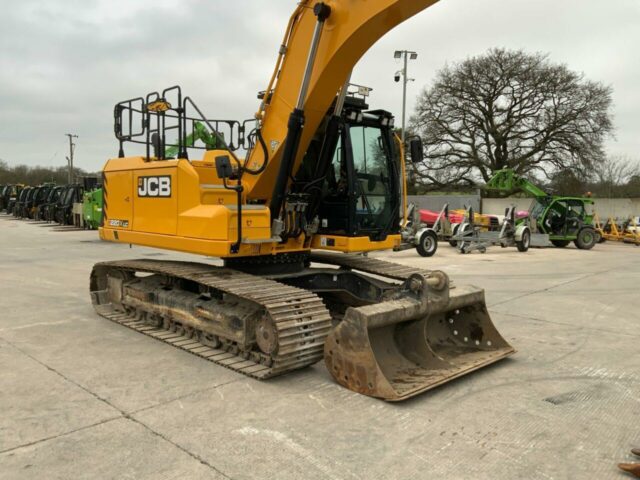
[[425, 337]]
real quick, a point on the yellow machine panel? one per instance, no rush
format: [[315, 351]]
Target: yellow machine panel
[[155, 200], [354, 244], [119, 198], [179, 206]]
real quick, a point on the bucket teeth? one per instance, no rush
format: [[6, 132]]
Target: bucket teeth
[[426, 337]]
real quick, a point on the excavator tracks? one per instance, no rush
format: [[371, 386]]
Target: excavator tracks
[[301, 321], [390, 341], [369, 265]]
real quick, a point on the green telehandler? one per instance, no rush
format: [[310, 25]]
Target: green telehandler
[[556, 219], [200, 132], [92, 208]]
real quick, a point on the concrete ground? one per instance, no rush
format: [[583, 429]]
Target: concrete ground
[[81, 397]]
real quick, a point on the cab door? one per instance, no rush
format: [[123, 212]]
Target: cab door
[[374, 182], [336, 212]]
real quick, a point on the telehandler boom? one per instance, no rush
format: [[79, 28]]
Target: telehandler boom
[[322, 172]]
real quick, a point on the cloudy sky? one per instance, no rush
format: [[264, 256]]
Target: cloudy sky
[[65, 63]]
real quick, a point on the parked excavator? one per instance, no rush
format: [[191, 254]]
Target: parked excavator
[[320, 182]]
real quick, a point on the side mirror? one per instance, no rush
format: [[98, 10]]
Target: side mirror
[[416, 151], [223, 167]]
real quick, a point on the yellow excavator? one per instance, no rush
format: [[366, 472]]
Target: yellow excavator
[[321, 182]]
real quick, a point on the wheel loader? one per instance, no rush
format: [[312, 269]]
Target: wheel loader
[[320, 183]]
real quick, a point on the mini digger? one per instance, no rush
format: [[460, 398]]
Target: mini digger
[[321, 181]]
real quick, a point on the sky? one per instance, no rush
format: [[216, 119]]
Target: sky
[[64, 64]]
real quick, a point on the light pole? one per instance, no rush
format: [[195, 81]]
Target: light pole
[[405, 55], [72, 147]]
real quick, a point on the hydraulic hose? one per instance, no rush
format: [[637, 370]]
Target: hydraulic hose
[[262, 167]]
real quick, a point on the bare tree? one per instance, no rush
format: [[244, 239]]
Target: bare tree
[[616, 176], [616, 170], [33, 176], [509, 109]]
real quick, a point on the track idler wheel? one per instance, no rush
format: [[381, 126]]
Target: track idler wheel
[[267, 335], [425, 337]]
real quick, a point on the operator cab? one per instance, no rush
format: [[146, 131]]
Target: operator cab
[[559, 217], [360, 195]]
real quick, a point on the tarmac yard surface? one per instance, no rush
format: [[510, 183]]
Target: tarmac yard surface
[[82, 397]]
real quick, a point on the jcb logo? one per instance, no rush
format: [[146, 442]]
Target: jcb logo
[[154, 186]]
